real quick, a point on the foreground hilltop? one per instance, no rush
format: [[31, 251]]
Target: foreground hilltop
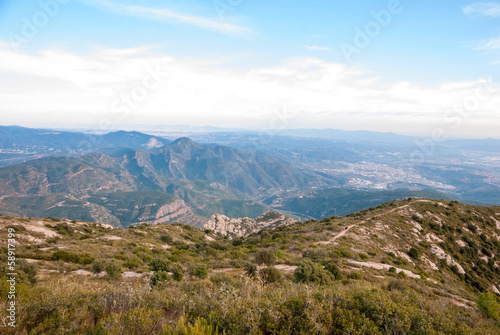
[[406, 267]]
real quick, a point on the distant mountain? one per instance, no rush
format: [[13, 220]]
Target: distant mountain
[[19, 144], [208, 179]]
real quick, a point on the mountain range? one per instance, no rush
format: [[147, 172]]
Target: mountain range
[[125, 178]]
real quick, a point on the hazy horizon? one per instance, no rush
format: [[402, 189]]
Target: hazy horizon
[[412, 68]]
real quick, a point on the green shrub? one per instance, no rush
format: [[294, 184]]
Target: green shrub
[[178, 272], [97, 267], [200, 271], [250, 269], [113, 269], [414, 253], [402, 275], [165, 238], [73, 258], [266, 257], [270, 275], [355, 275], [158, 278], [489, 305], [308, 272], [363, 256], [160, 264], [334, 270], [316, 254]]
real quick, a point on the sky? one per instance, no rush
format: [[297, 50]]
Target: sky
[[427, 68]]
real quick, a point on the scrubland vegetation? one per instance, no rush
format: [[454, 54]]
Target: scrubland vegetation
[[175, 279]]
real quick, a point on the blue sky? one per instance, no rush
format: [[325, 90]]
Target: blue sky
[[404, 66]]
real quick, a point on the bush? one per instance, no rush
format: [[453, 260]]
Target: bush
[[200, 271], [158, 278], [73, 258], [414, 253], [178, 272], [97, 267], [160, 264], [250, 269], [113, 269], [265, 257], [318, 255], [363, 256], [165, 238], [27, 271], [308, 272], [489, 305], [356, 275], [270, 275], [402, 275], [64, 228], [334, 270]]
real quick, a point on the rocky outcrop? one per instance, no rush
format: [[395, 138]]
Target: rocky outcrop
[[241, 227], [447, 258], [176, 211]]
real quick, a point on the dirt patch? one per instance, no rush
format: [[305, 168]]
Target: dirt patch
[[39, 228], [132, 274], [30, 238], [285, 267], [112, 238], [380, 266]]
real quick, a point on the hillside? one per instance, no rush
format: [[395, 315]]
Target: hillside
[[414, 266], [209, 179], [320, 203]]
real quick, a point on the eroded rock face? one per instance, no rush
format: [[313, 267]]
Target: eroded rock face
[[444, 256], [241, 227], [175, 211]]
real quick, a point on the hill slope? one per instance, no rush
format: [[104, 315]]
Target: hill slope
[[406, 267]]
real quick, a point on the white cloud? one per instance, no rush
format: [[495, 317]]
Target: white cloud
[[317, 48], [488, 9], [173, 16], [492, 44], [313, 92]]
